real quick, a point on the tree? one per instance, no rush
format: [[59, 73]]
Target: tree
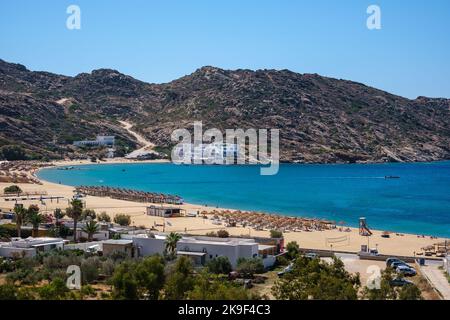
[[104, 217], [249, 266], [292, 249], [58, 214], [150, 276], [88, 213], [56, 290], [124, 284], [12, 189], [223, 234], [12, 153], [385, 291], [171, 243], [142, 279], [75, 211], [35, 218], [180, 279], [219, 265], [276, 234], [122, 219], [210, 287], [316, 279], [20, 216], [90, 269], [90, 228]]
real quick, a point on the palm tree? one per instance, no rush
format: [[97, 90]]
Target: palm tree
[[75, 211], [90, 228], [21, 214], [171, 242], [35, 218], [58, 214]]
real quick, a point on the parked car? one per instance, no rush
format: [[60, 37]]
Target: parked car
[[406, 270], [311, 255], [286, 270], [400, 282], [396, 264], [389, 261]]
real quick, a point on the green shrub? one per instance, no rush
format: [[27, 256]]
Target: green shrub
[[282, 261], [11, 230], [104, 217], [56, 290], [223, 234], [249, 266], [90, 269], [219, 265], [12, 189], [122, 219], [276, 234]]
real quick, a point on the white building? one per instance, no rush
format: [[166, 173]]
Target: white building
[[202, 249], [29, 247], [99, 141], [213, 153]]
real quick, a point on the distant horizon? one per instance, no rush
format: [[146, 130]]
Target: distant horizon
[[159, 41], [253, 70]]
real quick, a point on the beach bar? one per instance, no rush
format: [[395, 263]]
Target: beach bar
[[166, 212]]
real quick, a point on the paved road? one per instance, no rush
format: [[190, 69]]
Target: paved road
[[437, 279]]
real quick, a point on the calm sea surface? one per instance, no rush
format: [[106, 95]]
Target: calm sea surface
[[418, 202]]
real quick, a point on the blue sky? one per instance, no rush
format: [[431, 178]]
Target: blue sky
[[161, 40]]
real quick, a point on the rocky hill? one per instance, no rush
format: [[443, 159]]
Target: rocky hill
[[320, 119]]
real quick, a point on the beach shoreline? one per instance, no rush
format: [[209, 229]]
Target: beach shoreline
[[398, 244]]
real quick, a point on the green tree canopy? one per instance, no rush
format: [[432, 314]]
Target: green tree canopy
[[75, 211], [249, 266], [210, 287], [12, 189], [180, 279], [292, 249], [276, 234], [316, 279], [104, 217], [122, 219], [219, 265]]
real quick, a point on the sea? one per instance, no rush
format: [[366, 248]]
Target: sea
[[397, 197]]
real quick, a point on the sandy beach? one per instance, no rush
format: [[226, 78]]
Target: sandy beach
[[397, 244]]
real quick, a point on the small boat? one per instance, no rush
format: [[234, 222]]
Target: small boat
[[391, 177]]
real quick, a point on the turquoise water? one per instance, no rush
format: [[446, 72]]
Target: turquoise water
[[418, 202]]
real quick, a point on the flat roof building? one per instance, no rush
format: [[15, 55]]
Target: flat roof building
[[201, 249], [99, 141], [122, 245], [165, 212], [29, 247]]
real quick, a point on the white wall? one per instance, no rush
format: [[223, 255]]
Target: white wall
[[100, 235], [9, 252], [149, 246], [213, 250]]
